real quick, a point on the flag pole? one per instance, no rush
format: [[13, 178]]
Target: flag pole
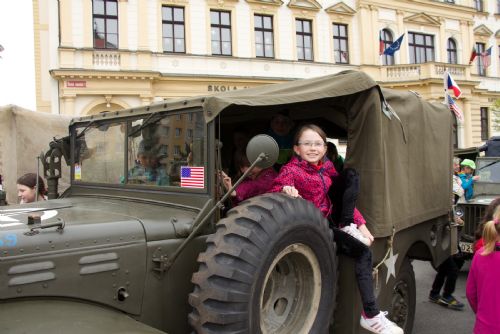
[[445, 86]]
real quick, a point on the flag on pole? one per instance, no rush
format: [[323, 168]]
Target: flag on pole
[[486, 57], [473, 55], [394, 46], [380, 44], [455, 108], [449, 83]]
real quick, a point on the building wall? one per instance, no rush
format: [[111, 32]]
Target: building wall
[[74, 78]]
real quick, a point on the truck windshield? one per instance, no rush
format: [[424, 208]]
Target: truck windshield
[[160, 151], [489, 170]]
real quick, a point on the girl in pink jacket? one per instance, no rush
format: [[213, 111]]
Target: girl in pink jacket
[[482, 283], [258, 182], [309, 175]]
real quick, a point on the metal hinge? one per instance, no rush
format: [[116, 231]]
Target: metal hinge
[[161, 262]]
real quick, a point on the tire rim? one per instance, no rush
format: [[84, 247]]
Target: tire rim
[[400, 302], [291, 292]]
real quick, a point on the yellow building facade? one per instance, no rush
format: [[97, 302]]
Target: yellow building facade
[[98, 55]]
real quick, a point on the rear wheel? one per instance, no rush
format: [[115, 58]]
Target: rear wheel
[[269, 268], [404, 297]]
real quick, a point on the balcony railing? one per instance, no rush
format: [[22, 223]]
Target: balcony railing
[[106, 60], [425, 71]]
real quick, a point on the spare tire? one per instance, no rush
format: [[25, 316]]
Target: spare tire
[[271, 267]]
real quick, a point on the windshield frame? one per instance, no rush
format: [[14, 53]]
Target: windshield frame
[[131, 186]]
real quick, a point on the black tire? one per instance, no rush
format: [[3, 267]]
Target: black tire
[[269, 268], [404, 297]]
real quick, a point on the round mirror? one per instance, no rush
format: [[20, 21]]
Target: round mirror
[[263, 144]]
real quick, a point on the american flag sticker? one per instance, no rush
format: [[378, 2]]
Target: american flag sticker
[[192, 177]]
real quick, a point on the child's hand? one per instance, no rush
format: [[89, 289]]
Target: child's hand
[[291, 191], [364, 230], [226, 180], [476, 177]]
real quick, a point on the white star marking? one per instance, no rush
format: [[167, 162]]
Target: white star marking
[[390, 263]]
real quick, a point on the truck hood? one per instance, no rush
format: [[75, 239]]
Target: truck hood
[[101, 248], [479, 200]]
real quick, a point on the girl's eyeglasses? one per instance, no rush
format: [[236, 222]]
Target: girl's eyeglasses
[[316, 144]]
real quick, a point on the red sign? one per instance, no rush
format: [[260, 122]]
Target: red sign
[[76, 83]]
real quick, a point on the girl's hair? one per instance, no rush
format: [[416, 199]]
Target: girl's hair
[[29, 180], [490, 233], [312, 127], [241, 160], [488, 215]]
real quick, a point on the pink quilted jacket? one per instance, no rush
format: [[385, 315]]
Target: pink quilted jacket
[[250, 188], [312, 184]]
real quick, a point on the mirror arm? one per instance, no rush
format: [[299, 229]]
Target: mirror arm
[[202, 223]]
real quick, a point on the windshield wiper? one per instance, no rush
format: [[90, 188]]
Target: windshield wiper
[[146, 122]]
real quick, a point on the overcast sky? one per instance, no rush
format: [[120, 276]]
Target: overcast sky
[[17, 68]]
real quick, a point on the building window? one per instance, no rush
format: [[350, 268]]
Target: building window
[[177, 150], [178, 117], [340, 44], [173, 29], [303, 31], [264, 40], [189, 133], [484, 124], [478, 4], [452, 51], [421, 48], [221, 32], [105, 18], [481, 69], [386, 41], [190, 117]]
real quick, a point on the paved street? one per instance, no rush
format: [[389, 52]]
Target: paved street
[[431, 318]]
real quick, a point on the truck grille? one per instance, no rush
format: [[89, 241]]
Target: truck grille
[[472, 216]]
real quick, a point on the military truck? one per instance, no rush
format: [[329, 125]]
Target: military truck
[[144, 240], [486, 189]]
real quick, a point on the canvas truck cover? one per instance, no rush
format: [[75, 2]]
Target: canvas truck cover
[[403, 154], [404, 164], [24, 134]]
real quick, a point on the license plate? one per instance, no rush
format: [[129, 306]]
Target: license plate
[[466, 247]]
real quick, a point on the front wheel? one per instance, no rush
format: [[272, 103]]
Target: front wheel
[[269, 268]]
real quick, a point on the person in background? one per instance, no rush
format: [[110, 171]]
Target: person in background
[[27, 191], [467, 177], [482, 282], [488, 215], [309, 175], [258, 182], [492, 147], [280, 128], [333, 154], [447, 272]]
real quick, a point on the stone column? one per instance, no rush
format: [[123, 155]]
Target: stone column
[[401, 56], [443, 56], [69, 105], [466, 127]]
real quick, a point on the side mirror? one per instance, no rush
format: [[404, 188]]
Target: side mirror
[[263, 147]]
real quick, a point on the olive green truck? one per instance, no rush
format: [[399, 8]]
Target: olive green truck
[[145, 241]]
